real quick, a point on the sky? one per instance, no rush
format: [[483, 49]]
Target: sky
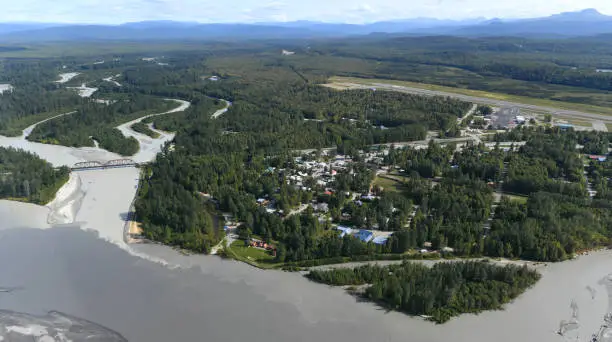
[[348, 11]]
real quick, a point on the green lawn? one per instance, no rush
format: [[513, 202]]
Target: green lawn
[[339, 82], [389, 183], [578, 122], [254, 256], [517, 198]]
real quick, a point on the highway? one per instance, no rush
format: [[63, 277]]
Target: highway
[[483, 100]]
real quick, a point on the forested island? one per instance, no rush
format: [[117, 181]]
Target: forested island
[[141, 127], [26, 177], [439, 292]]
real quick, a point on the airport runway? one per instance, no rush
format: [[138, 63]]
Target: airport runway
[[484, 100]]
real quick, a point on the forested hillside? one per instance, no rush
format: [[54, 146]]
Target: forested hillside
[[24, 176]]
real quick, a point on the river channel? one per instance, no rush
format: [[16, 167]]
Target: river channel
[[82, 267]]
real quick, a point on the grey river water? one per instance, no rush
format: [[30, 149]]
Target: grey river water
[[208, 299], [151, 293]]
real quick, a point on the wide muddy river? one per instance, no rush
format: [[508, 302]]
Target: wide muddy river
[[82, 267]]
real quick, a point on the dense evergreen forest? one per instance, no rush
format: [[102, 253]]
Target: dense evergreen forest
[[33, 96], [143, 128], [24, 176], [279, 106], [228, 158], [440, 292], [97, 121], [231, 166]]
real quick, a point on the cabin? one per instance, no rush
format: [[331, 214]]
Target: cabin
[[598, 158]]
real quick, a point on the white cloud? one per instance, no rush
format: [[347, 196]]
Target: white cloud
[[115, 11]]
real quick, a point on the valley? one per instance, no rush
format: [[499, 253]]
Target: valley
[[424, 183]]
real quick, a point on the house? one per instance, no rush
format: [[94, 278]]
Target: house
[[598, 158], [321, 207], [365, 235], [380, 240], [263, 245], [368, 197], [344, 230]]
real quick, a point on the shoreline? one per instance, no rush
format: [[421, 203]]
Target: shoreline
[[67, 201]]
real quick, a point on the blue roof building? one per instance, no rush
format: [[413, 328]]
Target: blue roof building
[[380, 240], [365, 235], [344, 230]]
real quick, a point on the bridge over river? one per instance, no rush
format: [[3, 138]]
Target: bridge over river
[[115, 163]]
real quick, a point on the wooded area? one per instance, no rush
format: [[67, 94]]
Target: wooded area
[[24, 176], [97, 121], [439, 292], [279, 106]]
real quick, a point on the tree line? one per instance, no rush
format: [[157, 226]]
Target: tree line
[[439, 292], [24, 176]]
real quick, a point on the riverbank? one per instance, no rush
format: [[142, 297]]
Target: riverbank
[[150, 147], [313, 304], [67, 202], [221, 111], [65, 77]]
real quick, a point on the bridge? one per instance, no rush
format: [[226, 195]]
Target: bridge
[[115, 163]]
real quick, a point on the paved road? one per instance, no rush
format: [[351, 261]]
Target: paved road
[[470, 112], [484, 100], [425, 143], [599, 126]]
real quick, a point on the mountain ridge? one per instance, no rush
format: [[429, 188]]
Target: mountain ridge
[[587, 22]]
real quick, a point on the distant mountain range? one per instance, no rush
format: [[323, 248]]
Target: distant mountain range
[[570, 24]]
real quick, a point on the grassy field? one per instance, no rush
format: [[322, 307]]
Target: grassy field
[[517, 198], [389, 183], [338, 82], [253, 256], [97, 49], [578, 122]]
